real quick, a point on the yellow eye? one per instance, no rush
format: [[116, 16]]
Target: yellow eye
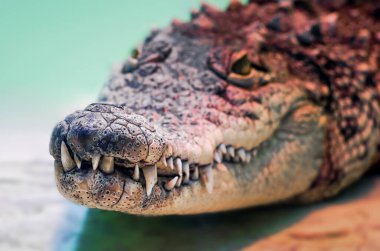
[[242, 66], [244, 74]]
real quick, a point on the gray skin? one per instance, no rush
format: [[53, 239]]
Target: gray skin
[[234, 109]]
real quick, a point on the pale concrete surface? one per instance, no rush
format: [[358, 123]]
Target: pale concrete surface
[[30, 206], [33, 215], [32, 211]]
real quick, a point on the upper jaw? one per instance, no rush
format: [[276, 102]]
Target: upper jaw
[[177, 161], [265, 179]]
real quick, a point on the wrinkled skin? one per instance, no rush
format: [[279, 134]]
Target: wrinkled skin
[[300, 120]]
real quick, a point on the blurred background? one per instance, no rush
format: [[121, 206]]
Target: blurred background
[[54, 58], [56, 55]]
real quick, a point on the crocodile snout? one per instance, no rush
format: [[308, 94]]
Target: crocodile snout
[[101, 133], [109, 130]]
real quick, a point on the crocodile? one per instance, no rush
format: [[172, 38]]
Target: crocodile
[[262, 103]]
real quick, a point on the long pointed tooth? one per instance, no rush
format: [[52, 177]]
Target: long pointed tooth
[[186, 171], [107, 164], [136, 173], [77, 161], [207, 177], [178, 166], [231, 151], [218, 157], [241, 154], [171, 183], [170, 163], [222, 148], [179, 181], [67, 162], [163, 161], [150, 174], [95, 161], [195, 174]]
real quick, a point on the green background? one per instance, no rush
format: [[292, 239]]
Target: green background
[[56, 55]]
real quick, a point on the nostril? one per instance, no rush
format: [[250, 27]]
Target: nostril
[[85, 133]]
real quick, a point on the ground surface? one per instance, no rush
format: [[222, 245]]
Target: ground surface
[[353, 225]]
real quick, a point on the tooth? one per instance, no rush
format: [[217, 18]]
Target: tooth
[[179, 181], [170, 163], [222, 148], [67, 162], [186, 170], [95, 161], [231, 151], [248, 157], [195, 174], [150, 174], [241, 154], [207, 177], [254, 152], [107, 164], [136, 173], [171, 183], [77, 161], [218, 157], [163, 161], [178, 166]]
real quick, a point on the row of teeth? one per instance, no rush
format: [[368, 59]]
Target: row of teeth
[[182, 167]]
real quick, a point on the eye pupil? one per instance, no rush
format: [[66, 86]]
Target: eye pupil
[[242, 66]]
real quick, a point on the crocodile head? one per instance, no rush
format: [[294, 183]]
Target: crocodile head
[[202, 118]]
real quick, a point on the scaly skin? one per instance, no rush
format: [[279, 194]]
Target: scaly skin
[[259, 104]]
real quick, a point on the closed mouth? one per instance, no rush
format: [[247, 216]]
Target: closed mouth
[[169, 172]]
